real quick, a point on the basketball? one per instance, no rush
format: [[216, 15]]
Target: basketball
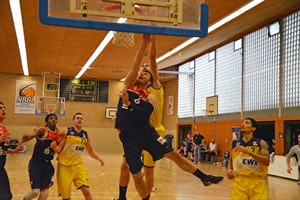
[[28, 92]]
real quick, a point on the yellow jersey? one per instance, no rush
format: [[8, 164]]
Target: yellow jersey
[[74, 147], [157, 114], [244, 164]]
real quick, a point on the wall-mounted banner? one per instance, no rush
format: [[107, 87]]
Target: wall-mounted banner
[[25, 97]]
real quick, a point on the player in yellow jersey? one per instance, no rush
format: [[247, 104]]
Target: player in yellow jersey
[[70, 167], [156, 117], [155, 120], [248, 165], [135, 132]]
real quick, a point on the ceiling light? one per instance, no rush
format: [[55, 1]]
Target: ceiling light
[[17, 18], [220, 23], [99, 49]]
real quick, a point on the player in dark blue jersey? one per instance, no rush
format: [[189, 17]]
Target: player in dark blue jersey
[[40, 167], [5, 193], [134, 109]]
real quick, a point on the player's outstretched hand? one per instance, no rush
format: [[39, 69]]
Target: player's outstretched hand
[[147, 38], [124, 96], [25, 138]]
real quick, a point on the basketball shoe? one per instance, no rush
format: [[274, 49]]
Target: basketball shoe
[[212, 179]]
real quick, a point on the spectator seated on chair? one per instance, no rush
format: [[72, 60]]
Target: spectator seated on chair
[[212, 150], [182, 149]]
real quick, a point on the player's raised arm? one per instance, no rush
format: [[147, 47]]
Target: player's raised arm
[[37, 132], [152, 63], [135, 68]]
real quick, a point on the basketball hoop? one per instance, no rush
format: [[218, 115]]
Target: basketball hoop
[[207, 112], [124, 39], [113, 117], [51, 108]]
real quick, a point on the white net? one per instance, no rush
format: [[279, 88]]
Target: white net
[[123, 39]]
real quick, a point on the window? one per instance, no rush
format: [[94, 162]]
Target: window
[[238, 44], [185, 91], [274, 29], [211, 56]]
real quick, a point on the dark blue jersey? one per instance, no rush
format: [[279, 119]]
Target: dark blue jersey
[[136, 117], [42, 149], [3, 153]]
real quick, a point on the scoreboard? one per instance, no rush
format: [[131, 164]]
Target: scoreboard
[[84, 90]]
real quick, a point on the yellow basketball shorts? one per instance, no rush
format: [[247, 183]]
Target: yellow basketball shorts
[[66, 175], [246, 187], [147, 158]]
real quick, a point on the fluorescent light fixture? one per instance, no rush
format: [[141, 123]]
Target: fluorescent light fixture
[[220, 23], [178, 48], [99, 49], [17, 18]]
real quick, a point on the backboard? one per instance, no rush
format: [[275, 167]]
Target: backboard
[[46, 105], [187, 18], [212, 106]]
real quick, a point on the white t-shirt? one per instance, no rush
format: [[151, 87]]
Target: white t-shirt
[[212, 147], [295, 150]]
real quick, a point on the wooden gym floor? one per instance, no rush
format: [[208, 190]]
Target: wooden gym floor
[[172, 183]]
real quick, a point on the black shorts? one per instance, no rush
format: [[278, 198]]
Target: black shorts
[[134, 143], [40, 173], [189, 149], [5, 193]]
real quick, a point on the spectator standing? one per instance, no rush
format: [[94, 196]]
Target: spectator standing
[[295, 150], [197, 139]]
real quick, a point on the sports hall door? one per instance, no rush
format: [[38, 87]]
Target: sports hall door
[[266, 131]]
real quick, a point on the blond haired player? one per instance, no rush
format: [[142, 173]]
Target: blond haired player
[[156, 117], [248, 165], [135, 132], [70, 167], [155, 120]]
